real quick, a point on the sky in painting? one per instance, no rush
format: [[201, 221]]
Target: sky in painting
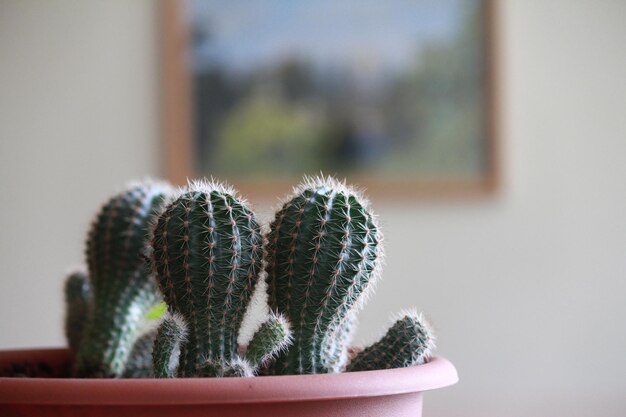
[[381, 36]]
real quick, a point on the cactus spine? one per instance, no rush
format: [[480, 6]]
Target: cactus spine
[[207, 253], [323, 254], [409, 341], [123, 288]]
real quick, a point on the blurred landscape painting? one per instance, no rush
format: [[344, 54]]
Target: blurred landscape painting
[[392, 90]]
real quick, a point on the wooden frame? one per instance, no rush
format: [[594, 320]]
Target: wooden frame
[[178, 127]]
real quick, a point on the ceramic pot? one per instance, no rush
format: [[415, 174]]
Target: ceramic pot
[[389, 393]]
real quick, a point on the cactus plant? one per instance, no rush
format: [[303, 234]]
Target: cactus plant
[[337, 341], [172, 333], [207, 254], [139, 363], [78, 301], [121, 282], [409, 341], [79, 305], [272, 338], [324, 253]]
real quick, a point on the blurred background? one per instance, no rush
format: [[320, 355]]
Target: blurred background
[[388, 91], [525, 286]]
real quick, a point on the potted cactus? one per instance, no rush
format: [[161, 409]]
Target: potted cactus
[[153, 323]]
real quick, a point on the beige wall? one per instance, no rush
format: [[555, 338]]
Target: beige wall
[[526, 288], [78, 117]]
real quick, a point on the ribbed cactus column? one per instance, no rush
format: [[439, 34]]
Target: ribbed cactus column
[[207, 251], [123, 288], [323, 253]]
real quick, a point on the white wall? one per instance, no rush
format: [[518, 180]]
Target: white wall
[[526, 288], [78, 118]]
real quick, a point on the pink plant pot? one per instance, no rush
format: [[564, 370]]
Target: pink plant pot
[[390, 393]]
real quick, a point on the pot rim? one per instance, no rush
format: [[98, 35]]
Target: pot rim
[[437, 373]]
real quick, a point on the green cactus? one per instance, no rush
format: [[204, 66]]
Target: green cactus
[[172, 333], [207, 254], [337, 341], [272, 338], [78, 301], [123, 287], [409, 341], [324, 253], [139, 363]]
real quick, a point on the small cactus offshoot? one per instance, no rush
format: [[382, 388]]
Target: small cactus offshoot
[[78, 302], [172, 333], [324, 253], [272, 338], [409, 341], [207, 254]]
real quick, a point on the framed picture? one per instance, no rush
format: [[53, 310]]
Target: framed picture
[[397, 96]]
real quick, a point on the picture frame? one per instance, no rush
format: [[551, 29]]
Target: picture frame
[[180, 149]]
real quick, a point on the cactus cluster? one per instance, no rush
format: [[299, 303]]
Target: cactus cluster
[[202, 251]]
